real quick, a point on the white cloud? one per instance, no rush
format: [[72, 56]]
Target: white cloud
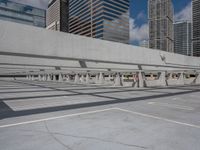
[[36, 3], [141, 16], [185, 13], [138, 33]]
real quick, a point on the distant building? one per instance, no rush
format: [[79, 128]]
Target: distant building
[[196, 27], [160, 14], [58, 15], [144, 43], [20, 13], [183, 38], [103, 19]]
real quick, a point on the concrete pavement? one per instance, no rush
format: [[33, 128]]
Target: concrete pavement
[[52, 115]]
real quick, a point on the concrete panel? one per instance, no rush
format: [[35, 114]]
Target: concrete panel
[[22, 40]]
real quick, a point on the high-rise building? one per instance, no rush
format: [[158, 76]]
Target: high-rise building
[[160, 14], [183, 38], [58, 15], [196, 27], [103, 19], [20, 13], [144, 43]]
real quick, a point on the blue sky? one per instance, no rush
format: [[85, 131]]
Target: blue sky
[[138, 15]]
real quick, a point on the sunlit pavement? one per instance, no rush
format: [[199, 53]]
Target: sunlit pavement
[[60, 116]]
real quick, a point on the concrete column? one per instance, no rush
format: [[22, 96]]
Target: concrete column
[[82, 79], [32, 78], [97, 79], [109, 77], [140, 80], [67, 78], [101, 78], [60, 78], [39, 77], [87, 79], [118, 80], [197, 80], [54, 77], [48, 77], [77, 79], [27, 77], [44, 77], [162, 78], [181, 77]]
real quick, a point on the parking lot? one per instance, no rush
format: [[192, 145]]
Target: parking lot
[[67, 116]]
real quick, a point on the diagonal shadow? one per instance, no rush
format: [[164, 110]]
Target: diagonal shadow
[[96, 94], [86, 105]]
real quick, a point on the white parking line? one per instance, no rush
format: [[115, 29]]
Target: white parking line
[[159, 118], [54, 118], [103, 110], [172, 106]]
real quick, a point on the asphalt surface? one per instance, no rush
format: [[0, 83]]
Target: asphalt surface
[[65, 116]]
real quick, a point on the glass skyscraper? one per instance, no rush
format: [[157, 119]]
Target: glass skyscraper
[[103, 19], [57, 15], [183, 38], [160, 13], [196, 27], [25, 14]]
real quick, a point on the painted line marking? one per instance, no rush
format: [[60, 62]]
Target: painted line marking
[[58, 117], [159, 118], [103, 110], [172, 106]]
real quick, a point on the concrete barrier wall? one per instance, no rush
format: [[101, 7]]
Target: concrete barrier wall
[[27, 41]]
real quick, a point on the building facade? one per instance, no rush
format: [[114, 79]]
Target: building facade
[[160, 15], [20, 13], [57, 15], [103, 19], [183, 38], [144, 43], [196, 27]]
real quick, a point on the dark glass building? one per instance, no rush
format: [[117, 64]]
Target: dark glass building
[[20, 13], [58, 15], [183, 38], [196, 27], [103, 19]]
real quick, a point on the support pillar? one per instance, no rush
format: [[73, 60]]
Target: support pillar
[[39, 77], [97, 79], [118, 80], [82, 79], [44, 77], [162, 79], [197, 80], [54, 77], [87, 79], [101, 78], [67, 78], [140, 80], [60, 78], [48, 77], [77, 79], [27, 77], [32, 78]]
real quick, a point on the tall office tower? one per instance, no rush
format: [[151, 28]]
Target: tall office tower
[[160, 13], [183, 38], [103, 19], [144, 43], [58, 15], [196, 27], [20, 13]]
